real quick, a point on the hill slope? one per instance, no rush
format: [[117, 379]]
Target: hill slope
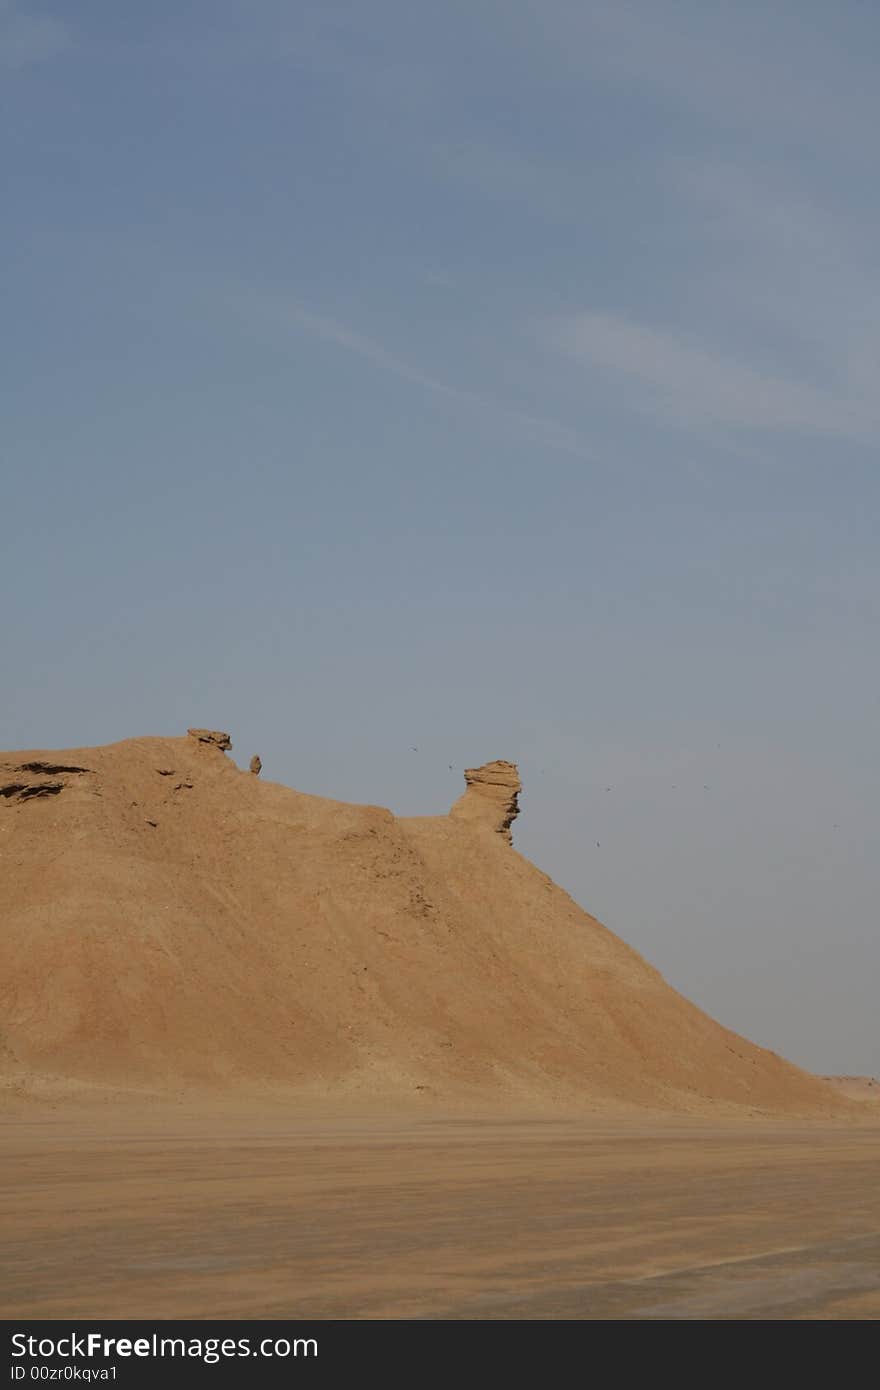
[[171, 921]]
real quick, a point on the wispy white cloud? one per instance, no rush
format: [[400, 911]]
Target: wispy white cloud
[[799, 266], [775, 325], [690, 382], [26, 37], [289, 315]]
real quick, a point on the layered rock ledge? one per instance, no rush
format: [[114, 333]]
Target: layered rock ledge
[[214, 737], [491, 797]]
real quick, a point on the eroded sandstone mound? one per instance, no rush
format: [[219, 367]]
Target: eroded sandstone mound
[[169, 921]]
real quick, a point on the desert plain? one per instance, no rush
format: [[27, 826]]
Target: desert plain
[[263, 1215], [270, 1056]]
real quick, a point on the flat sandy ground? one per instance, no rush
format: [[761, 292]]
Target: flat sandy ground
[[184, 1215]]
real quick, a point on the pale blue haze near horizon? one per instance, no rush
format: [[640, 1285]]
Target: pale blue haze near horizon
[[483, 379]]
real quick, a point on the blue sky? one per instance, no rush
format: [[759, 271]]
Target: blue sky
[[491, 379]]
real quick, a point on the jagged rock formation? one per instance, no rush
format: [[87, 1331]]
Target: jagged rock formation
[[211, 736], [491, 798], [25, 781]]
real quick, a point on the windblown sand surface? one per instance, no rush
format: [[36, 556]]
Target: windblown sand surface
[[207, 1215]]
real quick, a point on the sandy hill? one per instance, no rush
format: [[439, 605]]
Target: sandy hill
[[169, 921]]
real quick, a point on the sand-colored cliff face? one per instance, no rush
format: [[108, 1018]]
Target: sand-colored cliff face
[[168, 921], [491, 798]]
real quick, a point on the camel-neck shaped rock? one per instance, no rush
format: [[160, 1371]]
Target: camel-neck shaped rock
[[491, 797]]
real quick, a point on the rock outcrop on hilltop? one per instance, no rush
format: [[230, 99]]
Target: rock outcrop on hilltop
[[171, 921], [211, 736], [491, 797]]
